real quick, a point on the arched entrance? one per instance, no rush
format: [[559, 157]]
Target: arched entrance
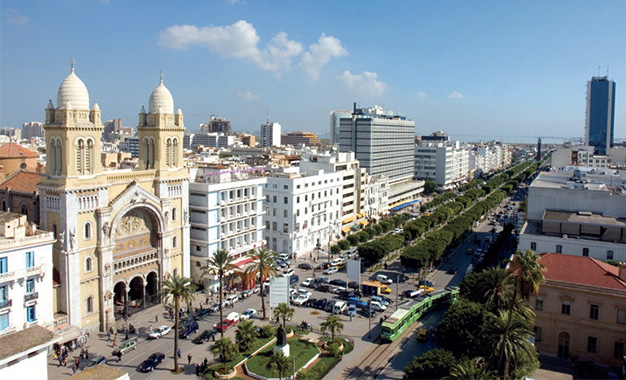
[[120, 297], [135, 293], [152, 288], [563, 350]]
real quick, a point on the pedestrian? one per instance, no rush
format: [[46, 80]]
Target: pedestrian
[[197, 370], [114, 342], [86, 353], [156, 318], [74, 369], [179, 354], [119, 356], [188, 359], [77, 362], [108, 336], [205, 362]]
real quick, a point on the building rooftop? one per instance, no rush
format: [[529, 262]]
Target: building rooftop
[[24, 340], [100, 372], [583, 217], [581, 270], [12, 150], [23, 182]]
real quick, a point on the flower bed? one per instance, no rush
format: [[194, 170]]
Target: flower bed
[[303, 351]]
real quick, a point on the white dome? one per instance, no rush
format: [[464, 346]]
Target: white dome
[[161, 98], [73, 90]]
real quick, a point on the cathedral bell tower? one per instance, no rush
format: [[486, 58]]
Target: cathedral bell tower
[[160, 132], [73, 132]]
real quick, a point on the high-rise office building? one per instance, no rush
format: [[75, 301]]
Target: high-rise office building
[[270, 134], [600, 114], [335, 119], [217, 125], [383, 143]]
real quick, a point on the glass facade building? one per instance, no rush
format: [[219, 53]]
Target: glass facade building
[[600, 114]]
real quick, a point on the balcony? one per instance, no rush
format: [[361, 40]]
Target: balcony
[[6, 303], [31, 296], [7, 276]]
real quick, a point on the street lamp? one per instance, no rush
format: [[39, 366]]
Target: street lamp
[[318, 247]]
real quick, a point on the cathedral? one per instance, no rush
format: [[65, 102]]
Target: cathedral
[[119, 233]]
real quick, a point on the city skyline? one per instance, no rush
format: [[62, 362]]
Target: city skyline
[[474, 69]]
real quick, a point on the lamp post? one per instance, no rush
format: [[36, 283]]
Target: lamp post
[[318, 247]]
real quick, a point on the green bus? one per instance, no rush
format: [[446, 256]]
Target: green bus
[[413, 310]]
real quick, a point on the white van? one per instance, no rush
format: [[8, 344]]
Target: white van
[[384, 279], [340, 307], [233, 317]]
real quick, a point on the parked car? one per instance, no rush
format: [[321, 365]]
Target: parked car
[[330, 270], [353, 285], [280, 263], [284, 255], [378, 306], [356, 301], [338, 282], [204, 337], [304, 292], [159, 332], [96, 361], [367, 312], [383, 279], [329, 305], [288, 272], [231, 299], [293, 280], [224, 325], [125, 346], [300, 300], [248, 314], [188, 330], [321, 304], [152, 361], [453, 271], [380, 299], [325, 288], [305, 266], [351, 310], [214, 308], [426, 282], [412, 293], [422, 335], [308, 282], [311, 302]]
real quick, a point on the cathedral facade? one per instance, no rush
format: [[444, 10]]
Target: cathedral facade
[[119, 233]]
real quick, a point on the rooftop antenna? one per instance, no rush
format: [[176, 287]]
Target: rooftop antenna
[[72, 62], [607, 69], [599, 68], [268, 116]]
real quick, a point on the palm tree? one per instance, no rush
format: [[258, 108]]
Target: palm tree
[[262, 264], [284, 312], [180, 289], [280, 363], [333, 325], [226, 349], [529, 273], [497, 286], [220, 263], [469, 369], [509, 336], [245, 335]]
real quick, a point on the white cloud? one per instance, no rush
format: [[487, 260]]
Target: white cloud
[[319, 55], [249, 96], [421, 96], [238, 40], [456, 95], [14, 16], [367, 83]]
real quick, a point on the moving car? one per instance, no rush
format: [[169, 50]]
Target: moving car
[[204, 337], [125, 346], [159, 332], [384, 279], [305, 266], [330, 270], [412, 293], [453, 271], [201, 314], [422, 335], [248, 314], [152, 361], [426, 282], [427, 289], [338, 282], [224, 325], [188, 330]]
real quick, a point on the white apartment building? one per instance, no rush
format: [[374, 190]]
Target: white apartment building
[[446, 164], [270, 134], [491, 157], [302, 209], [226, 212], [578, 156], [25, 274], [575, 213]]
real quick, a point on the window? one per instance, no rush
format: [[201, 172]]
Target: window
[[30, 286], [30, 259], [88, 264], [559, 248], [4, 294], [592, 344], [618, 349], [565, 307], [4, 321], [621, 316], [274, 226], [198, 248], [298, 199], [533, 245], [538, 333], [89, 304], [286, 228], [174, 214], [285, 213], [174, 242], [285, 200], [594, 310], [539, 303], [31, 315], [87, 230], [585, 251], [609, 255], [274, 199], [4, 265]]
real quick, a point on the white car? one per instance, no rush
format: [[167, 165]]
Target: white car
[[159, 332], [248, 314], [300, 300], [304, 292], [330, 270], [288, 272], [378, 306], [308, 282]]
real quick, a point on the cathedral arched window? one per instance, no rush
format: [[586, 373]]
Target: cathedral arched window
[[89, 155], [24, 210], [174, 242], [174, 214], [4, 205], [168, 152], [88, 264], [151, 155], [80, 155], [88, 231], [52, 153], [89, 304], [58, 157], [175, 152]]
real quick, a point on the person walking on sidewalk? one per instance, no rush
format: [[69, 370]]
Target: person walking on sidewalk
[[156, 318], [178, 353], [188, 359]]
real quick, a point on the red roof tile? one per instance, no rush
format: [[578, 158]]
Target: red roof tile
[[581, 270], [24, 182], [12, 150]]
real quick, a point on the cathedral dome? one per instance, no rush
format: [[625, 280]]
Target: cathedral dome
[[73, 90], [161, 98]]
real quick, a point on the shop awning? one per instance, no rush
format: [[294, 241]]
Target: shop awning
[[364, 222], [349, 219], [346, 229], [360, 215], [403, 205]]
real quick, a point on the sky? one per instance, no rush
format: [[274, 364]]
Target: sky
[[474, 69]]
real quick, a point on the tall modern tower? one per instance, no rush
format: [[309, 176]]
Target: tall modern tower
[[600, 114], [270, 134]]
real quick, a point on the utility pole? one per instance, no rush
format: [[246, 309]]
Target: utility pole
[[397, 289]]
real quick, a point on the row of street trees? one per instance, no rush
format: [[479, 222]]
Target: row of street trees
[[488, 332]]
